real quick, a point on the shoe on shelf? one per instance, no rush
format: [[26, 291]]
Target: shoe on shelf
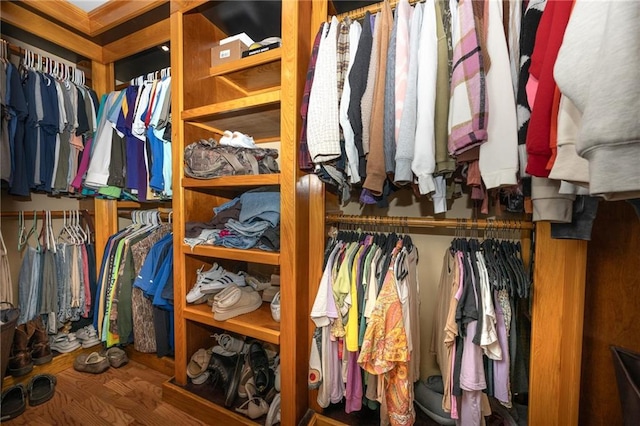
[[20, 362], [196, 294], [237, 140], [40, 346], [255, 283], [275, 307], [201, 379], [230, 343], [254, 408], [227, 370], [93, 363], [260, 367], [269, 293], [221, 282], [88, 336], [248, 301], [273, 416], [64, 342], [199, 363], [246, 387]]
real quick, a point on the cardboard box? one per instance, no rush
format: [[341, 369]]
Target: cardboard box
[[227, 52]]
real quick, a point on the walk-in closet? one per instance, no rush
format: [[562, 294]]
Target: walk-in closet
[[320, 212]]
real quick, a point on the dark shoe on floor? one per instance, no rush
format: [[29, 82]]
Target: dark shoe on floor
[[40, 346], [260, 366], [13, 403], [93, 363], [41, 389]]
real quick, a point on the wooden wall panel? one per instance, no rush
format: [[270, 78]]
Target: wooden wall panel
[[26, 20], [612, 303], [556, 331], [116, 12], [64, 12], [146, 38]]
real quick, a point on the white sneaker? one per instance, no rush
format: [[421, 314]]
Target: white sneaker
[[237, 139], [212, 284], [196, 294], [275, 307]]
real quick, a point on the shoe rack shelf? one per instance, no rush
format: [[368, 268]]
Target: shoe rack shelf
[[233, 182], [248, 95], [251, 255], [257, 324]]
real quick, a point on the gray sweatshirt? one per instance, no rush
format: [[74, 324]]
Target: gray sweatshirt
[[598, 68]]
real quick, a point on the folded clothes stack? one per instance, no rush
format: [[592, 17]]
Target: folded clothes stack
[[251, 220]]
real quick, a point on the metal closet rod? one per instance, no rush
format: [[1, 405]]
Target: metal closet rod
[[428, 222], [55, 214], [373, 9]]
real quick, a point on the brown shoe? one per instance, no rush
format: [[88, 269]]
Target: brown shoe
[[92, 363], [40, 347], [20, 362]]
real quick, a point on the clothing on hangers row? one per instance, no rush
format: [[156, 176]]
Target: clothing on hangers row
[[135, 286], [479, 325], [130, 155], [367, 324], [50, 117], [57, 277]]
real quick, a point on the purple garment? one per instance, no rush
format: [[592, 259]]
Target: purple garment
[[134, 146], [84, 164], [470, 408], [501, 385], [472, 368], [353, 390], [366, 197]]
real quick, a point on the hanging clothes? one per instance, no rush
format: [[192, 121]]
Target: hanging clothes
[[138, 257], [368, 295], [131, 153]]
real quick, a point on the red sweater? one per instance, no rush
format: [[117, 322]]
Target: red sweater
[[548, 41]]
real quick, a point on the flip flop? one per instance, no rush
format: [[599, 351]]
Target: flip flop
[[41, 389], [13, 402]]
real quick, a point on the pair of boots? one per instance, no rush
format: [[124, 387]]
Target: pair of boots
[[30, 347]]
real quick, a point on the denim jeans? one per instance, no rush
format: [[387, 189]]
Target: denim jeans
[[260, 205], [207, 236], [584, 213], [236, 241], [252, 229], [226, 205]]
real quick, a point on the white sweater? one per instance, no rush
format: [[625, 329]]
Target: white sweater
[[424, 157], [499, 154], [323, 133]]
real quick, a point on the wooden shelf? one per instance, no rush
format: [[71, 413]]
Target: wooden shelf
[[197, 406], [255, 115], [248, 255], [233, 182], [258, 324], [253, 73]]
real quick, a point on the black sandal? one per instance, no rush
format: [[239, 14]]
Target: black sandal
[[13, 402], [41, 389]]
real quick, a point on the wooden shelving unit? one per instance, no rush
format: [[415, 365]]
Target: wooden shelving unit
[[246, 95]]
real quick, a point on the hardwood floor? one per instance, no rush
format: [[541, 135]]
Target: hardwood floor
[[130, 395]]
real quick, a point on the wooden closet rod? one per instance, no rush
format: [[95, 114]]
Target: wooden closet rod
[[427, 222], [55, 214], [373, 9]]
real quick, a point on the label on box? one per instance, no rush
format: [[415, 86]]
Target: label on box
[[225, 53]]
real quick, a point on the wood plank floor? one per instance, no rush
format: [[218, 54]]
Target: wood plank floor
[[130, 395]]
